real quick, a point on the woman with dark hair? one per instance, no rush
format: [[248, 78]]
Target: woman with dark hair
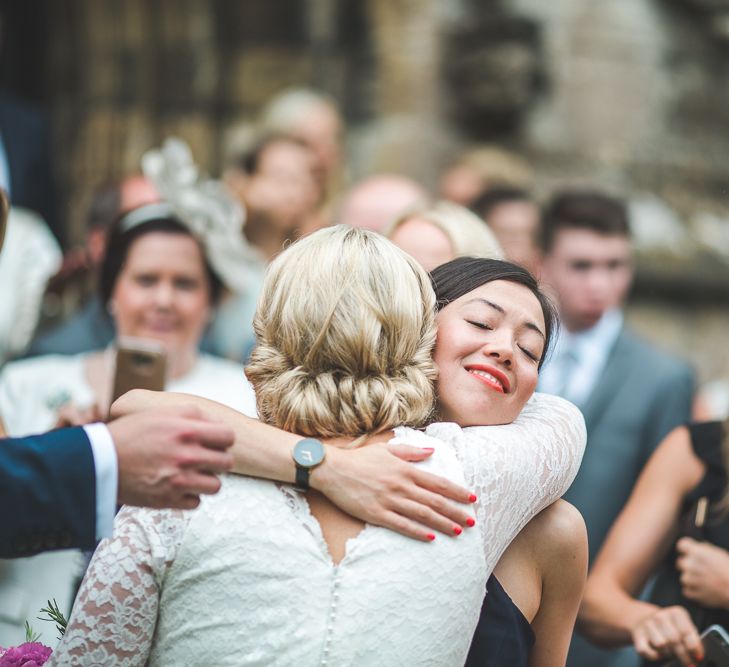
[[533, 595], [158, 285], [491, 341]]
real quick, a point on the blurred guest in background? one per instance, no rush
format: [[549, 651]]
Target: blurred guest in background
[[375, 202], [514, 218], [313, 118], [91, 328], [159, 282], [442, 232], [712, 401], [631, 394], [30, 257], [26, 173], [478, 170], [275, 183], [674, 525]]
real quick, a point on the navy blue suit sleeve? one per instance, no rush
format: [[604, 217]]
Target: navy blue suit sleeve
[[47, 493]]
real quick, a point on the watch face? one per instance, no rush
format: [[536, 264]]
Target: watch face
[[308, 452]]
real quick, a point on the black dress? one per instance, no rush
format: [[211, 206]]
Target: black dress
[[503, 637], [706, 441]]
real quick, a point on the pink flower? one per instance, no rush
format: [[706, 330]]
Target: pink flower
[[30, 654]]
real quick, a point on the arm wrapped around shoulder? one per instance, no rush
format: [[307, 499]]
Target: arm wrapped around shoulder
[[518, 469]]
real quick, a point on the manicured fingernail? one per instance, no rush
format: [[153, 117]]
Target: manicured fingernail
[[457, 530], [430, 450], [430, 536], [472, 498], [470, 522]]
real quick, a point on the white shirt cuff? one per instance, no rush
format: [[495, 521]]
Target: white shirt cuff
[[107, 473]]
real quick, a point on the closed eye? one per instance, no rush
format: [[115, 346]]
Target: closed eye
[[529, 354], [479, 325]]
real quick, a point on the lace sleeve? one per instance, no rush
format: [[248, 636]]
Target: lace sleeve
[[113, 619], [518, 469]]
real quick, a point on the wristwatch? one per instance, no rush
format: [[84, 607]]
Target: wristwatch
[[307, 454]]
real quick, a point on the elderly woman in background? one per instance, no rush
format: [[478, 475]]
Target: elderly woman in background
[[159, 283]]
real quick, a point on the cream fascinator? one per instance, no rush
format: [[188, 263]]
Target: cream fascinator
[[206, 208]]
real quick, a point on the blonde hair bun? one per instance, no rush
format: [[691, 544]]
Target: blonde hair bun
[[345, 328]]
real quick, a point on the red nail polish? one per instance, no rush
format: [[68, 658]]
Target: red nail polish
[[470, 522], [430, 536], [457, 530], [472, 498]]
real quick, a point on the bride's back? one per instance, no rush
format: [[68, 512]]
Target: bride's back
[[345, 332]]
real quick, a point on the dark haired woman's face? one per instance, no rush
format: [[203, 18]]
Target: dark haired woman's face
[[162, 291], [488, 349]]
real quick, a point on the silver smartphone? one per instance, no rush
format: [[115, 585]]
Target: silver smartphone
[[716, 648]]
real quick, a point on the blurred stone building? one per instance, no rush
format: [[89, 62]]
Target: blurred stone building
[[631, 95]]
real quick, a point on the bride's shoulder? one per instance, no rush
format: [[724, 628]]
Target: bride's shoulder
[[548, 407], [406, 435]]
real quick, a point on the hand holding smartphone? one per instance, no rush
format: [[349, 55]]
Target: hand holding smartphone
[[716, 648]]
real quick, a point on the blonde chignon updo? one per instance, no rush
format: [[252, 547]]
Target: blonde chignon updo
[[345, 329]]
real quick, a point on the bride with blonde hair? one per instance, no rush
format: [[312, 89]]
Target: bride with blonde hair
[[265, 573]]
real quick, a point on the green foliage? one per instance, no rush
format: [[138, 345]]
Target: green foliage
[[30, 636], [54, 615]]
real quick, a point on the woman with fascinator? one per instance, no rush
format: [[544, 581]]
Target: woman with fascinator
[[164, 269]]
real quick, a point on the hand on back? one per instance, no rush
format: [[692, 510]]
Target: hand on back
[[377, 484]]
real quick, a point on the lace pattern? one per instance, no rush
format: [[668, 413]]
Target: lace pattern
[[244, 579]]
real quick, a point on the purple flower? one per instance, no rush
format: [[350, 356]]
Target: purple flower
[[30, 654]]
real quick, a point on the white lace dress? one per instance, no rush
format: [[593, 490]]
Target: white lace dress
[[246, 579]]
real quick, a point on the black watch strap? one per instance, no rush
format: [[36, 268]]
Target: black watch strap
[[302, 478]]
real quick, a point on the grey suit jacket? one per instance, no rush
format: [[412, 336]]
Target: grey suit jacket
[[641, 396]]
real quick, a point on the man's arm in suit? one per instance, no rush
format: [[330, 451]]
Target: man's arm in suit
[[49, 483], [47, 493]]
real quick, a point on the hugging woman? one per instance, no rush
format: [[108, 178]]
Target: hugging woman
[[264, 574]]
